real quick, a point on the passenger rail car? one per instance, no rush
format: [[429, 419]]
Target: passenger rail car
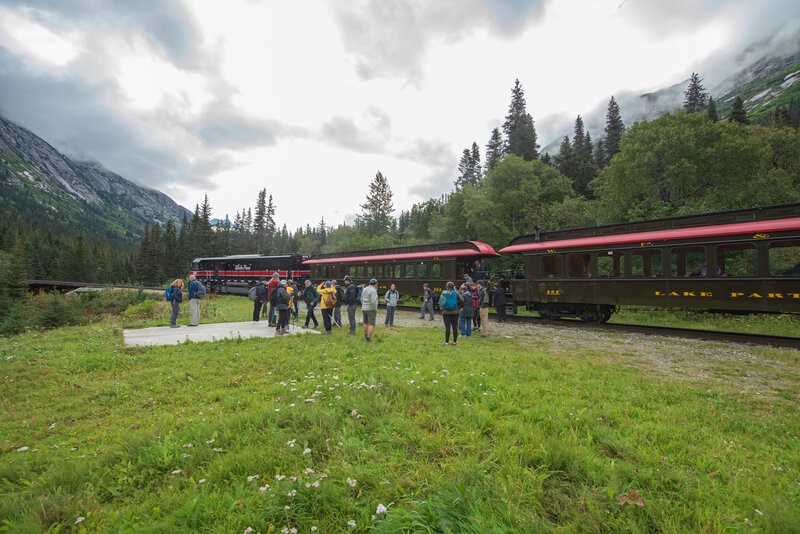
[[742, 261], [237, 274], [407, 267]]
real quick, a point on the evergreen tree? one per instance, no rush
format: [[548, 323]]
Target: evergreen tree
[[378, 208], [738, 114], [711, 112], [475, 160], [614, 129], [565, 159], [270, 227], [171, 260], [600, 154], [260, 219], [469, 167], [519, 128], [694, 100], [494, 150]]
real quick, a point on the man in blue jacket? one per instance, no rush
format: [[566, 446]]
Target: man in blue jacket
[[194, 302], [310, 296]]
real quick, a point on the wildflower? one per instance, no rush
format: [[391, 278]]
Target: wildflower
[[187, 445], [315, 483], [187, 455], [217, 449], [23, 449], [292, 493], [201, 481], [264, 488], [307, 451], [291, 443], [79, 519], [759, 512], [176, 472], [313, 528], [352, 523], [352, 482], [308, 471], [209, 442], [381, 510], [287, 508], [248, 530], [280, 477], [252, 478]]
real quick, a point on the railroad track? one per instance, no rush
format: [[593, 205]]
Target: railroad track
[[666, 331], [63, 285]]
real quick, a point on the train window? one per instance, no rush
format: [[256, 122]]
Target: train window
[[436, 271], [578, 265], [610, 264], [688, 261], [784, 258], [410, 271], [551, 266], [646, 264], [396, 272], [379, 271], [370, 271], [352, 271], [422, 270], [360, 271], [737, 259]]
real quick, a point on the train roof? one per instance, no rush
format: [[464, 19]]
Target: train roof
[[248, 257], [757, 227], [411, 252]]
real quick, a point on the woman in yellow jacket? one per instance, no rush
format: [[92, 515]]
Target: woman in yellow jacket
[[327, 302]]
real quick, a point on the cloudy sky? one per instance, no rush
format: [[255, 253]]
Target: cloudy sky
[[310, 99]]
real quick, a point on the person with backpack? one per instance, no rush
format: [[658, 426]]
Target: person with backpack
[[427, 301], [274, 282], [449, 302], [327, 296], [369, 308], [351, 299], [483, 308], [174, 295], [467, 312], [194, 301], [310, 297], [258, 294], [282, 301], [391, 298], [476, 317], [337, 311]]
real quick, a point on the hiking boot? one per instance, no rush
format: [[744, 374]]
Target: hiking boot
[[484, 336], [174, 326]]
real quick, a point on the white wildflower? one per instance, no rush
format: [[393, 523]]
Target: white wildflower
[[352, 523], [176, 472], [252, 478], [280, 477], [79, 519], [381, 509], [201, 481], [352, 482], [307, 451], [292, 493]]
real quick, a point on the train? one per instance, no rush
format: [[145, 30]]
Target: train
[[237, 274], [745, 260]]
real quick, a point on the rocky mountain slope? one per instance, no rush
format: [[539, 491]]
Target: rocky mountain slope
[[48, 189]]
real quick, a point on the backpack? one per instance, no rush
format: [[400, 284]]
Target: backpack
[[283, 298], [358, 296], [330, 300], [168, 294], [448, 301], [199, 289], [253, 293], [339, 294]]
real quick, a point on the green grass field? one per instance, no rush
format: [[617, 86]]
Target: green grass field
[[536, 429]]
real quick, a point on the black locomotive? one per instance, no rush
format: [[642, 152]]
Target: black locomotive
[[237, 274]]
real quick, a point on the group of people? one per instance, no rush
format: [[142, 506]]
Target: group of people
[[330, 297], [176, 292], [466, 309], [282, 297]]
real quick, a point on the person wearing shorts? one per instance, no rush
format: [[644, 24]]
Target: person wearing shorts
[[369, 308]]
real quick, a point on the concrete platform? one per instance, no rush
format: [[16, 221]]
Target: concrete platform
[[164, 335]]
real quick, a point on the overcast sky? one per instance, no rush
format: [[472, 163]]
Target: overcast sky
[[310, 99]]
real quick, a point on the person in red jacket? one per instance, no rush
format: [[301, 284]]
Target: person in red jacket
[[272, 287]]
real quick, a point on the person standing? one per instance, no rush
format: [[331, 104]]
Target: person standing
[[391, 298], [282, 301], [483, 309], [310, 297], [449, 302], [194, 302], [369, 308], [327, 299], [467, 312], [337, 311], [261, 299], [351, 298], [177, 298], [476, 317], [427, 301], [274, 282], [499, 295]]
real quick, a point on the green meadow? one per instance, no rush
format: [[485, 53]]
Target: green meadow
[[536, 429]]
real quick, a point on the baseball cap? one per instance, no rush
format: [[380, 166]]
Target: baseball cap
[[347, 279], [372, 281], [283, 282]]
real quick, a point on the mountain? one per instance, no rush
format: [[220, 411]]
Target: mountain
[[49, 190], [766, 77]]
